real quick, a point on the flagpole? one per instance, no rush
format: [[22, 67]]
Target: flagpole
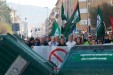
[[47, 20], [111, 2], [105, 28], [88, 4]]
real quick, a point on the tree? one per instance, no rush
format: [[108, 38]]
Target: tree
[[5, 28], [4, 12], [107, 11]]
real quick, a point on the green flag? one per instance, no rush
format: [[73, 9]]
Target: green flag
[[75, 18], [62, 13], [64, 19], [100, 25], [55, 29]]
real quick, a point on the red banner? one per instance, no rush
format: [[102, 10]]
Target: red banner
[[111, 20]]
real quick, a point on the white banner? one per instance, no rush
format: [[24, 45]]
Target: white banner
[[56, 54]]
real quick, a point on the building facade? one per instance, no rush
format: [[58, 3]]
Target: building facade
[[23, 25], [58, 6], [84, 5], [50, 20], [14, 17], [37, 31]]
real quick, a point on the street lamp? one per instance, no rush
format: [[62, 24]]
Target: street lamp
[[88, 4], [111, 2], [26, 28], [47, 11], [47, 20]]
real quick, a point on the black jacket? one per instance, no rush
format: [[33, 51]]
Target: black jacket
[[41, 44], [61, 44]]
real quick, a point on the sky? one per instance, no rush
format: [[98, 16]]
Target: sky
[[33, 5], [42, 3]]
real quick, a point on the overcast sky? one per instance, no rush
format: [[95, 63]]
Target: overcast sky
[[42, 3]]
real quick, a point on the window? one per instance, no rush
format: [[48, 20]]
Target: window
[[83, 10], [82, 0], [110, 2], [89, 21], [83, 22], [38, 29]]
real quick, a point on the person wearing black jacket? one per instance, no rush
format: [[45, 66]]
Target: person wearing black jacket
[[42, 42], [62, 42], [31, 42]]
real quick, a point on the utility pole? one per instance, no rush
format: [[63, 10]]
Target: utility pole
[[47, 22], [88, 4], [26, 28]]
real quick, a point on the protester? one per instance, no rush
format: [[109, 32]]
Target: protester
[[93, 42], [110, 37], [100, 42], [70, 42], [57, 39], [42, 42], [62, 42], [106, 39], [89, 39], [53, 42], [79, 41], [36, 41], [31, 42], [47, 39], [94, 37], [74, 37]]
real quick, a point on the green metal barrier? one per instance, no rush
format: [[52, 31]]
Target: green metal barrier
[[16, 58], [21, 42], [88, 60], [17, 37]]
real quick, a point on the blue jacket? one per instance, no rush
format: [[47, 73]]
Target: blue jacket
[[41, 44]]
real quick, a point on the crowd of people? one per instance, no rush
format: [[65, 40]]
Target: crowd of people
[[71, 41]]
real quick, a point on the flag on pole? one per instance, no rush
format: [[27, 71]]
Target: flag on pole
[[75, 18], [111, 20], [62, 13], [64, 19], [74, 31], [55, 29], [100, 24], [67, 10]]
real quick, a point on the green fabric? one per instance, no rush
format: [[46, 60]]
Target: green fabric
[[86, 43], [11, 47], [62, 13], [63, 17], [55, 29], [62, 30], [100, 25], [71, 24]]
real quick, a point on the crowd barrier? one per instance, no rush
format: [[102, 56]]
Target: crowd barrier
[[16, 58]]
